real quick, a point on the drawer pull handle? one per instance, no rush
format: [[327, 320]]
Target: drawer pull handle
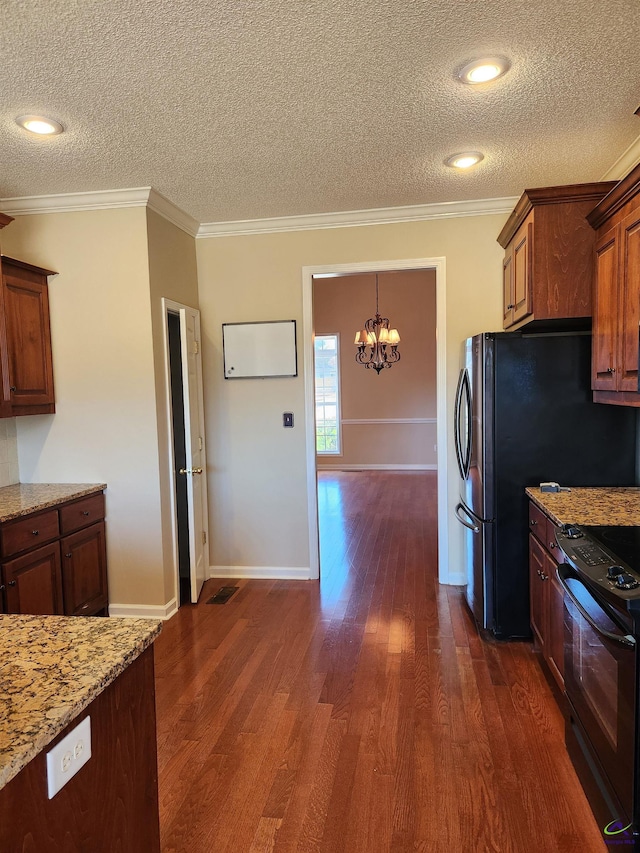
[[1, 587], [86, 512], [552, 545], [533, 522], [69, 555], [12, 388], [35, 532], [12, 583]]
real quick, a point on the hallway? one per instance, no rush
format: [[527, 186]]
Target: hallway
[[363, 714]]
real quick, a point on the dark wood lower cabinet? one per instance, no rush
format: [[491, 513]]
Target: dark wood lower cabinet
[[84, 571], [66, 576], [33, 582], [111, 804], [546, 596]]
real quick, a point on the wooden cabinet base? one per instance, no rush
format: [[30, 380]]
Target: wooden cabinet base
[[112, 802], [546, 596]]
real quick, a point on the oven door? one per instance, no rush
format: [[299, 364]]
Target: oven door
[[599, 661]]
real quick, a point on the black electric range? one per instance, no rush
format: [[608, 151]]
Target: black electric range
[[607, 558], [601, 582]]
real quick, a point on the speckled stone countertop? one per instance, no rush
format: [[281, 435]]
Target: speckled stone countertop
[[597, 506], [25, 498], [51, 668]]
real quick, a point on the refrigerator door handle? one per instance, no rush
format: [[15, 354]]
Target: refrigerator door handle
[[463, 399], [472, 526]]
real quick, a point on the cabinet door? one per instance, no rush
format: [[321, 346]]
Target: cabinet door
[[28, 370], [629, 303], [84, 571], [507, 290], [33, 582], [522, 297], [537, 591], [555, 638], [605, 313]]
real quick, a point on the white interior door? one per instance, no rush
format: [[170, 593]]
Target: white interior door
[[196, 471]]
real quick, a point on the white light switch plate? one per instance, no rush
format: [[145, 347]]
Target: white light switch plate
[[68, 756]]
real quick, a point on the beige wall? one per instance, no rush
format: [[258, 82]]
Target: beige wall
[[104, 429], [257, 468], [407, 391], [9, 472], [172, 275], [113, 268]]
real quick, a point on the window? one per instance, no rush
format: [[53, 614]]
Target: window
[[327, 374]]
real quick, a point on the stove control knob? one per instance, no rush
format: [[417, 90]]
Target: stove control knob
[[626, 581], [573, 532], [614, 571]]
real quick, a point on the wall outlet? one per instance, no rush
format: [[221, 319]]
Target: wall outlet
[[68, 756]]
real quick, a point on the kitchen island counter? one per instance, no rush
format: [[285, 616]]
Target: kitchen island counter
[[51, 669], [592, 506]]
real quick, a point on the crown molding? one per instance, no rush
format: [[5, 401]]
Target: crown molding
[[627, 161], [352, 218], [102, 200], [171, 212], [71, 202]]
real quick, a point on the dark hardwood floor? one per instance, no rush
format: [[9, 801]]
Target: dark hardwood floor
[[363, 714]]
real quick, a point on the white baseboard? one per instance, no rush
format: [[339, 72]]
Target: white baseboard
[[289, 573], [431, 467], [145, 611], [456, 579]]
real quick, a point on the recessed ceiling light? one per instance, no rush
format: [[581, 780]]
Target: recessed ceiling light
[[40, 124], [464, 160], [484, 70]]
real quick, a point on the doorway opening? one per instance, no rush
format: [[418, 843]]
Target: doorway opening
[[382, 418], [180, 458], [186, 450]]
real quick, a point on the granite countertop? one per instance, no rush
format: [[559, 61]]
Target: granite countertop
[[25, 498], [51, 668], [596, 506]]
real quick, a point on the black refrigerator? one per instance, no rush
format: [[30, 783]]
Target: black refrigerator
[[524, 415]]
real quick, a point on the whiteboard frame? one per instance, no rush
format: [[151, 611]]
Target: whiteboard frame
[[293, 355]]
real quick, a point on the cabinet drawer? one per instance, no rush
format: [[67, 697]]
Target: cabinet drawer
[[29, 532], [81, 513], [538, 523]]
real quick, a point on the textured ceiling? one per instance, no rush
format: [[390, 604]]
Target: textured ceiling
[[242, 109]]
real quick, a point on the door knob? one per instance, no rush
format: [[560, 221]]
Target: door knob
[[190, 471]]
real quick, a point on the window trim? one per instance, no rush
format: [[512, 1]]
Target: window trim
[[339, 452]]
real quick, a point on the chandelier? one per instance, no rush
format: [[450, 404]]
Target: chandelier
[[377, 343]]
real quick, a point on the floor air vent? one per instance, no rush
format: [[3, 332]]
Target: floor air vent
[[223, 595]]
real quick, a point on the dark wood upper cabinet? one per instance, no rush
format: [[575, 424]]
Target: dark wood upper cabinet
[[616, 318], [548, 264], [25, 340]]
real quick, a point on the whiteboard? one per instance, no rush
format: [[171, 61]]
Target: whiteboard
[[259, 350]]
